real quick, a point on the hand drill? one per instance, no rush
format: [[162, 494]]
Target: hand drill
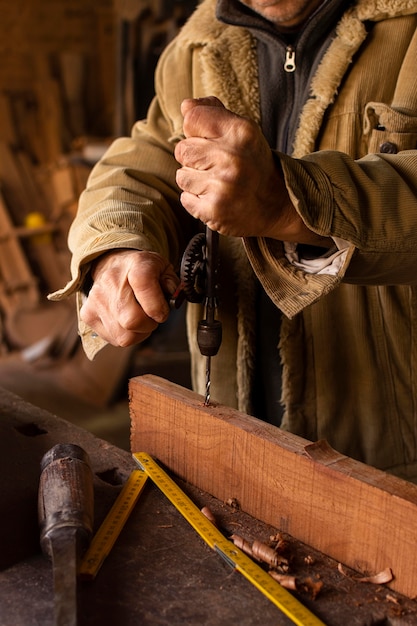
[[198, 274]]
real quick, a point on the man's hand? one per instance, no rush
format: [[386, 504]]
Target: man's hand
[[128, 301], [229, 178]]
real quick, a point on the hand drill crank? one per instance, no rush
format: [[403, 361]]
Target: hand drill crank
[[199, 284]]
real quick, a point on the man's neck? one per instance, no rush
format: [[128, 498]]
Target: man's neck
[[237, 13]]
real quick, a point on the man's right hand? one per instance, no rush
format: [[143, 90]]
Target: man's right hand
[[128, 299]]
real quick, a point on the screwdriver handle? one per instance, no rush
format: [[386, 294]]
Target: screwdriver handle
[[66, 495]]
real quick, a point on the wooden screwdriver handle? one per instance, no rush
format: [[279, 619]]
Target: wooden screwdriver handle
[[66, 495]]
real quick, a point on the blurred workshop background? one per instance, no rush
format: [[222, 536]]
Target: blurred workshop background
[[74, 74]]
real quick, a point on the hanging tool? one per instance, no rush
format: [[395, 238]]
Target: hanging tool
[[65, 510], [198, 275]]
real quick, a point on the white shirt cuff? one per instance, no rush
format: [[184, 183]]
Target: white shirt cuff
[[329, 263]]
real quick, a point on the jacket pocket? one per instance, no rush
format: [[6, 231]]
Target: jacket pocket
[[387, 130]]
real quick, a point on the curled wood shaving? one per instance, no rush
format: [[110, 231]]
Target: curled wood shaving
[[385, 576], [391, 598], [242, 544], [281, 544], [233, 502], [284, 580], [278, 539], [260, 551], [312, 587], [268, 555], [208, 513]]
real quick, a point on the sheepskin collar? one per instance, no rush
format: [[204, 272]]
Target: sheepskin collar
[[199, 30]]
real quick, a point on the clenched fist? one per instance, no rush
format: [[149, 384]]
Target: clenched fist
[[128, 299], [229, 177]]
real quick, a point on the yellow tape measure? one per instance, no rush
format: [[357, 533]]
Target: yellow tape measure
[[282, 598], [104, 539]]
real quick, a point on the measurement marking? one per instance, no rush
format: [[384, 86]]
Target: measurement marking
[[106, 536], [282, 598]]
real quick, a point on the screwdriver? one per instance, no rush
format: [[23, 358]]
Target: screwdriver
[[209, 330], [65, 511]]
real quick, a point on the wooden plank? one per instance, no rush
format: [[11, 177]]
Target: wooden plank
[[356, 514], [7, 129], [28, 124], [13, 184], [61, 176], [73, 80], [47, 90], [18, 286], [104, 87]]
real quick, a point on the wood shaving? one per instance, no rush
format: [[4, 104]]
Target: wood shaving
[[289, 582], [242, 544], [268, 555], [391, 598], [260, 551], [281, 544], [312, 587], [385, 576], [208, 513]]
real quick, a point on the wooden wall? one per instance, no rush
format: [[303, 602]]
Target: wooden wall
[[58, 57], [73, 74], [57, 90]]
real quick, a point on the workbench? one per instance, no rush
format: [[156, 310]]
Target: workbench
[[159, 571]]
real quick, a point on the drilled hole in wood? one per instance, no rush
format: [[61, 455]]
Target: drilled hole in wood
[[30, 430]]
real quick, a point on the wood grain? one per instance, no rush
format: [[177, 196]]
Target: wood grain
[[358, 515]]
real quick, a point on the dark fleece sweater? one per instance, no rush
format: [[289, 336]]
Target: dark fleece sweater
[[287, 62]]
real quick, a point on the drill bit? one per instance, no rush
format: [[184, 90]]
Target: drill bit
[[208, 381]]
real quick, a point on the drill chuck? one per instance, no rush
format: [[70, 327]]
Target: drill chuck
[[209, 337]]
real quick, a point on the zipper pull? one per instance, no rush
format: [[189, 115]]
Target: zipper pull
[[289, 65]]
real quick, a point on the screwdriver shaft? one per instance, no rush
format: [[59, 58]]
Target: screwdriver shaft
[[64, 561]]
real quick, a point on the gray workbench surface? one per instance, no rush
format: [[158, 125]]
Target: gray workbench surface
[[160, 571]]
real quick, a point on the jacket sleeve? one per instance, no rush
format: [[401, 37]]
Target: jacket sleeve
[[371, 203], [131, 199]]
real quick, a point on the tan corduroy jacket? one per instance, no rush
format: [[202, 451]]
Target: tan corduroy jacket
[[348, 342]]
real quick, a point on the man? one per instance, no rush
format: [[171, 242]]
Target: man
[[326, 236]]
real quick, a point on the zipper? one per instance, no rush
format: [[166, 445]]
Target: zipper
[[289, 63], [289, 68]]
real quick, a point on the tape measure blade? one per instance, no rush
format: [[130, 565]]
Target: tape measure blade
[[282, 598], [179, 499], [289, 605], [275, 592], [112, 525]]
